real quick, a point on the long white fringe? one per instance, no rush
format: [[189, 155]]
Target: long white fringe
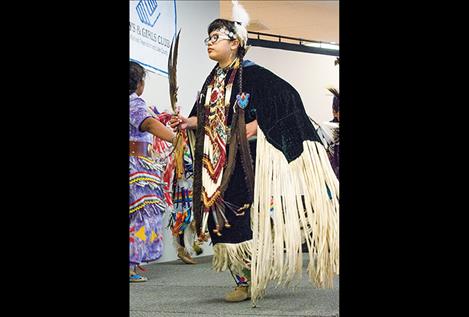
[[277, 233]]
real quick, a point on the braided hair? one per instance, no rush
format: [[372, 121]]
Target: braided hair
[[136, 75]]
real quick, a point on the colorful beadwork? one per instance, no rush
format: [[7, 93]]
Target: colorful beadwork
[[242, 100]]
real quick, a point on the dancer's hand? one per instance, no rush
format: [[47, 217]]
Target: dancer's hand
[[178, 122], [251, 129]]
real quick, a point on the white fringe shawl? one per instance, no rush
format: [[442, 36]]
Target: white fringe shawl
[[278, 235]]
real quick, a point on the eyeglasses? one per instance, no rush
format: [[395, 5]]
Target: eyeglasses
[[215, 38]]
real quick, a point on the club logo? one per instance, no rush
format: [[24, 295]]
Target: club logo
[[147, 11]]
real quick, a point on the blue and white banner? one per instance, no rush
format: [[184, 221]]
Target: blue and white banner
[[152, 26]]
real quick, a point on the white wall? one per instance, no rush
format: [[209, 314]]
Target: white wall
[[193, 18], [310, 74]]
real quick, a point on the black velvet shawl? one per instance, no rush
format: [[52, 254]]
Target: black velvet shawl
[[280, 114], [279, 110], [277, 106]]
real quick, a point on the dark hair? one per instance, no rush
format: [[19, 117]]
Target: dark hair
[[335, 100], [335, 104], [136, 75], [230, 26]]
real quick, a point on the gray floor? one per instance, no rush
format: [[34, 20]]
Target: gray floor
[[177, 289]]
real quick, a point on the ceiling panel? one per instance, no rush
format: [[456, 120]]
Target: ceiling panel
[[311, 20]]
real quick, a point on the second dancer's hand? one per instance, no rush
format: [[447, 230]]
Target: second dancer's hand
[[178, 122]]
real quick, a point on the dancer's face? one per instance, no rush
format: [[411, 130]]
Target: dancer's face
[[220, 48]]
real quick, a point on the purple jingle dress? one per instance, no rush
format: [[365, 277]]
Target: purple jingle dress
[[146, 198]]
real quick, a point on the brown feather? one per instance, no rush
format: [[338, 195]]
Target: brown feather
[[334, 92], [172, 63]]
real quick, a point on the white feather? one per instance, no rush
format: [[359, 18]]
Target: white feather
[[239, 14]]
